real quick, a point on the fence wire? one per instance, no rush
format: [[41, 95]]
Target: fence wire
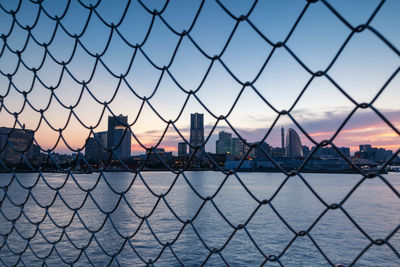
[[6, 243]]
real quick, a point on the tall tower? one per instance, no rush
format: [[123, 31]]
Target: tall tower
[[116, 131], [283, 138], [182, 149], [293, 144], [224, 143], [196, 130]]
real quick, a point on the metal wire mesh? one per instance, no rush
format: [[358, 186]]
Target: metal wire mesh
[[112, 156]]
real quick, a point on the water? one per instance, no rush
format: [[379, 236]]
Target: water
[[373, 206]]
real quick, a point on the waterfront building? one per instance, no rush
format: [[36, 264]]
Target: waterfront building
[[224, 143], [260, 151], [156, 155], [378, 155], [365, 148], [293, 144], [197, 133], [345, 151], [182, 149], [14, 143], [38, 156], [277, 152], [122, 142], [238, 148], [102, 139], [382, 155], [94, 146], [90, 149], [306, 150], [330, 152], [218, 159], [119, 136]]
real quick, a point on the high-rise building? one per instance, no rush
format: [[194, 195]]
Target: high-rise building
[[102, 138], [365, 148], [293, 144], [261, 150], [282, 138], [224, 143], [238, 147], [94, 148], [119, 136], [306, 150], [14, 143], [182, 149], [90, 149], [122, 141], [197, 132]]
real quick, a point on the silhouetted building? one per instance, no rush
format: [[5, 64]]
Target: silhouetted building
[[158, 156], [224, 143], [217, 159], [330, 152], [238, 148], [182, 149], [102, 138], [344, 150], [38, 157], [63, 159], [378, 155], [14, 143], [277, 152], [122, 141], [94, 146], [293, 144], [283, 139], [262, 150], [90, 149], [197, 133], [365, 148], [119, 136], [382, 155], [306, 150]]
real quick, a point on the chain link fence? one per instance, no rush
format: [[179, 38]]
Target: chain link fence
[[28, 214]]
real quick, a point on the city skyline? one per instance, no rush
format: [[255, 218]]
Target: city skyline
[[381, 138], [224, 144], [202, 132], [244, 57]]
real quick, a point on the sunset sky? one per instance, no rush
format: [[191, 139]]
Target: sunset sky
[[363, 67]]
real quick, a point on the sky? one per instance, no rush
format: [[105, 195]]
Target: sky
[[363, 67]]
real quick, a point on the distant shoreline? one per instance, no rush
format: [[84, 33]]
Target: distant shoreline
[[347, 171]]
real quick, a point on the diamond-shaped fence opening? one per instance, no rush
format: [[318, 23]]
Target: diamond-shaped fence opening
[[71, 193]]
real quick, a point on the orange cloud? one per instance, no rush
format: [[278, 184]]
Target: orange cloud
[[137, 148]]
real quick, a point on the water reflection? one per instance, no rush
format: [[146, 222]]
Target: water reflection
[[373, 206]]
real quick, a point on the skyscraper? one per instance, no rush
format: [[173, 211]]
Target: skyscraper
[[293, 144], [119, 136], [182, 149], [14, 143], [365, 148], [224, 143], [238, 147], [261, 150], [94, 149], [196, 132]]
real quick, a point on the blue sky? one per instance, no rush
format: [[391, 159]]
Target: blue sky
[[361, 70]]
